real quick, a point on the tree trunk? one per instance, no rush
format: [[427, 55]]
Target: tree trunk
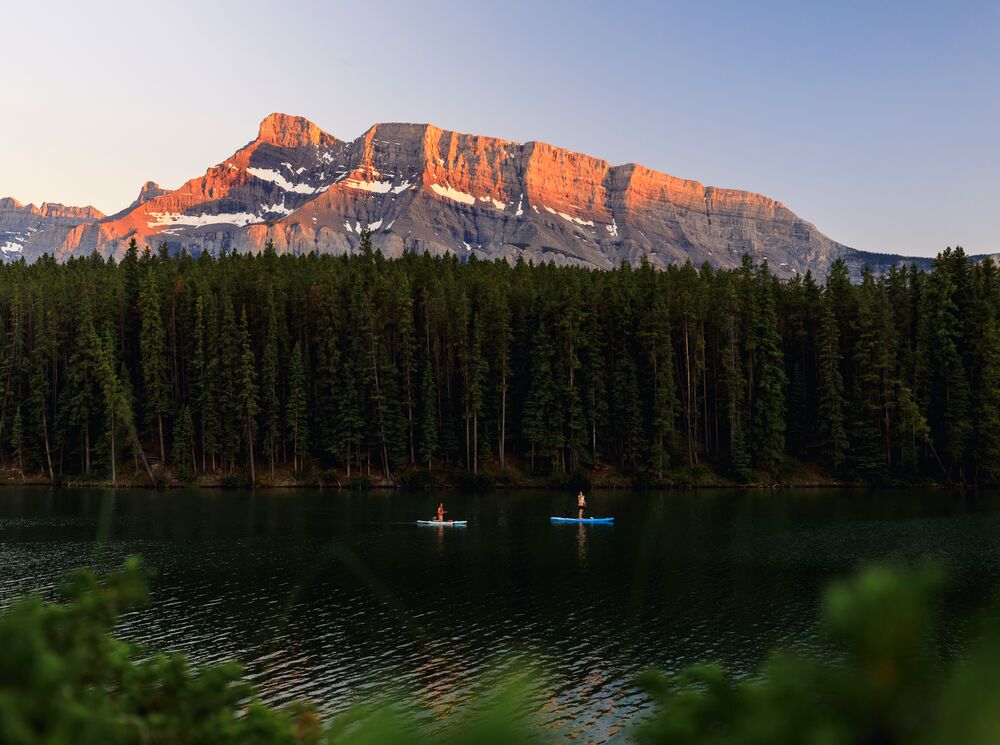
[[503, 411], [48, 454], [687, 395], [114, 454], [163, 450], [253, 473], [141, 455]]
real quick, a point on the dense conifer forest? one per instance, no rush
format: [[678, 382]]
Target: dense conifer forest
[[256, 365]]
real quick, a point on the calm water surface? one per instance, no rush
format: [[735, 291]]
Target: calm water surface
[[333, 597]]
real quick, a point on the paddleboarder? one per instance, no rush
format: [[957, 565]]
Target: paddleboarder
[[581, 505], [440, 513]]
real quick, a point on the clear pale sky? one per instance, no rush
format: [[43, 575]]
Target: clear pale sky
[[877, 121]]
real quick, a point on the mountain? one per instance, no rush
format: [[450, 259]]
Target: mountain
[[420, 188], [49, 225]]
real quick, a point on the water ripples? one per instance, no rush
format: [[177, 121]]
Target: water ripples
[[339, 598]]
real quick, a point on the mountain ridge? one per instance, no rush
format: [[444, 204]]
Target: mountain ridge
[[419, 187]]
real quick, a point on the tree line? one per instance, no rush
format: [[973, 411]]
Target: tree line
[[255, 363]]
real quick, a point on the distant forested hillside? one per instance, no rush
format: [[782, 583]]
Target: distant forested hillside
[[254, 363]]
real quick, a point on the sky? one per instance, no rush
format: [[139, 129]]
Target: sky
[[879, 122]]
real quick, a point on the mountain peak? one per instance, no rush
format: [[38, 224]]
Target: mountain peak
[[9, 203], [421, 188], [56, 210], [149, 191], [285, 130]]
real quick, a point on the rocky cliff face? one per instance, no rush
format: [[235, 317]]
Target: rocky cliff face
[[21, 225], [421, 188], [265, 180]]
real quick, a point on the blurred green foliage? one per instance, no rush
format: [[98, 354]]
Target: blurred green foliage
[[885, 682], [66, 680]]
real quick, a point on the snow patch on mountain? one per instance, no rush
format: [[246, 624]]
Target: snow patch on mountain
[[266, 174], [377, 187], [275, 209], [453, 194], [11, 247], [240, 219], [570, 218]]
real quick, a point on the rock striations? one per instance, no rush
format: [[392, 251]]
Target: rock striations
[[420, 188], [27, 225]]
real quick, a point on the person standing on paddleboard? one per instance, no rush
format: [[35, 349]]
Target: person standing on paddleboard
[[581, 505]]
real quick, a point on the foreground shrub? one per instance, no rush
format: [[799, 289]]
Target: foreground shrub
[[65, 680], [886, 684]]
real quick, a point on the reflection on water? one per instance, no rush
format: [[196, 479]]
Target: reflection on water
[[337, 597]]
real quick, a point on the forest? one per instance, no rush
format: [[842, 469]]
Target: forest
[[259, 365]]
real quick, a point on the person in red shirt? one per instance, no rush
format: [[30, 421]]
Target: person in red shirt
[[440, 513]]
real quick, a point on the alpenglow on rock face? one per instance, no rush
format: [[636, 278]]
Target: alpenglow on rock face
[[420, 188]]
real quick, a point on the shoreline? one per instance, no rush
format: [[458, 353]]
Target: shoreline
[[467, 483]]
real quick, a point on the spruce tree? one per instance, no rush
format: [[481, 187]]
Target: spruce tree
[[247, 396], [296, 412], [154, 363], [17, 440], [183, 445], [429, 418], [232, 420], [540, 403], [768, 413], [213, 396], [656, 340], [988, 403], [831, 392], [270, 401], [79, 395]]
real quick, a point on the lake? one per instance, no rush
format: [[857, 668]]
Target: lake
[[335, 597]]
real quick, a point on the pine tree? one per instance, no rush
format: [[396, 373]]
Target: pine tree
[[476, 381], [734, 388], [831, 391], [211, 397], [873, 386], [945, 387], [154, 364], [296, 414], [270, 402], [768, 413], [197, 375], [429, 420], [539, 408], [988, 402], [328, 400], [79, 395], [17, 440], [232, 420], [39, 417], [118, 404], [247, 396], [183, 453], [656, 339]]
